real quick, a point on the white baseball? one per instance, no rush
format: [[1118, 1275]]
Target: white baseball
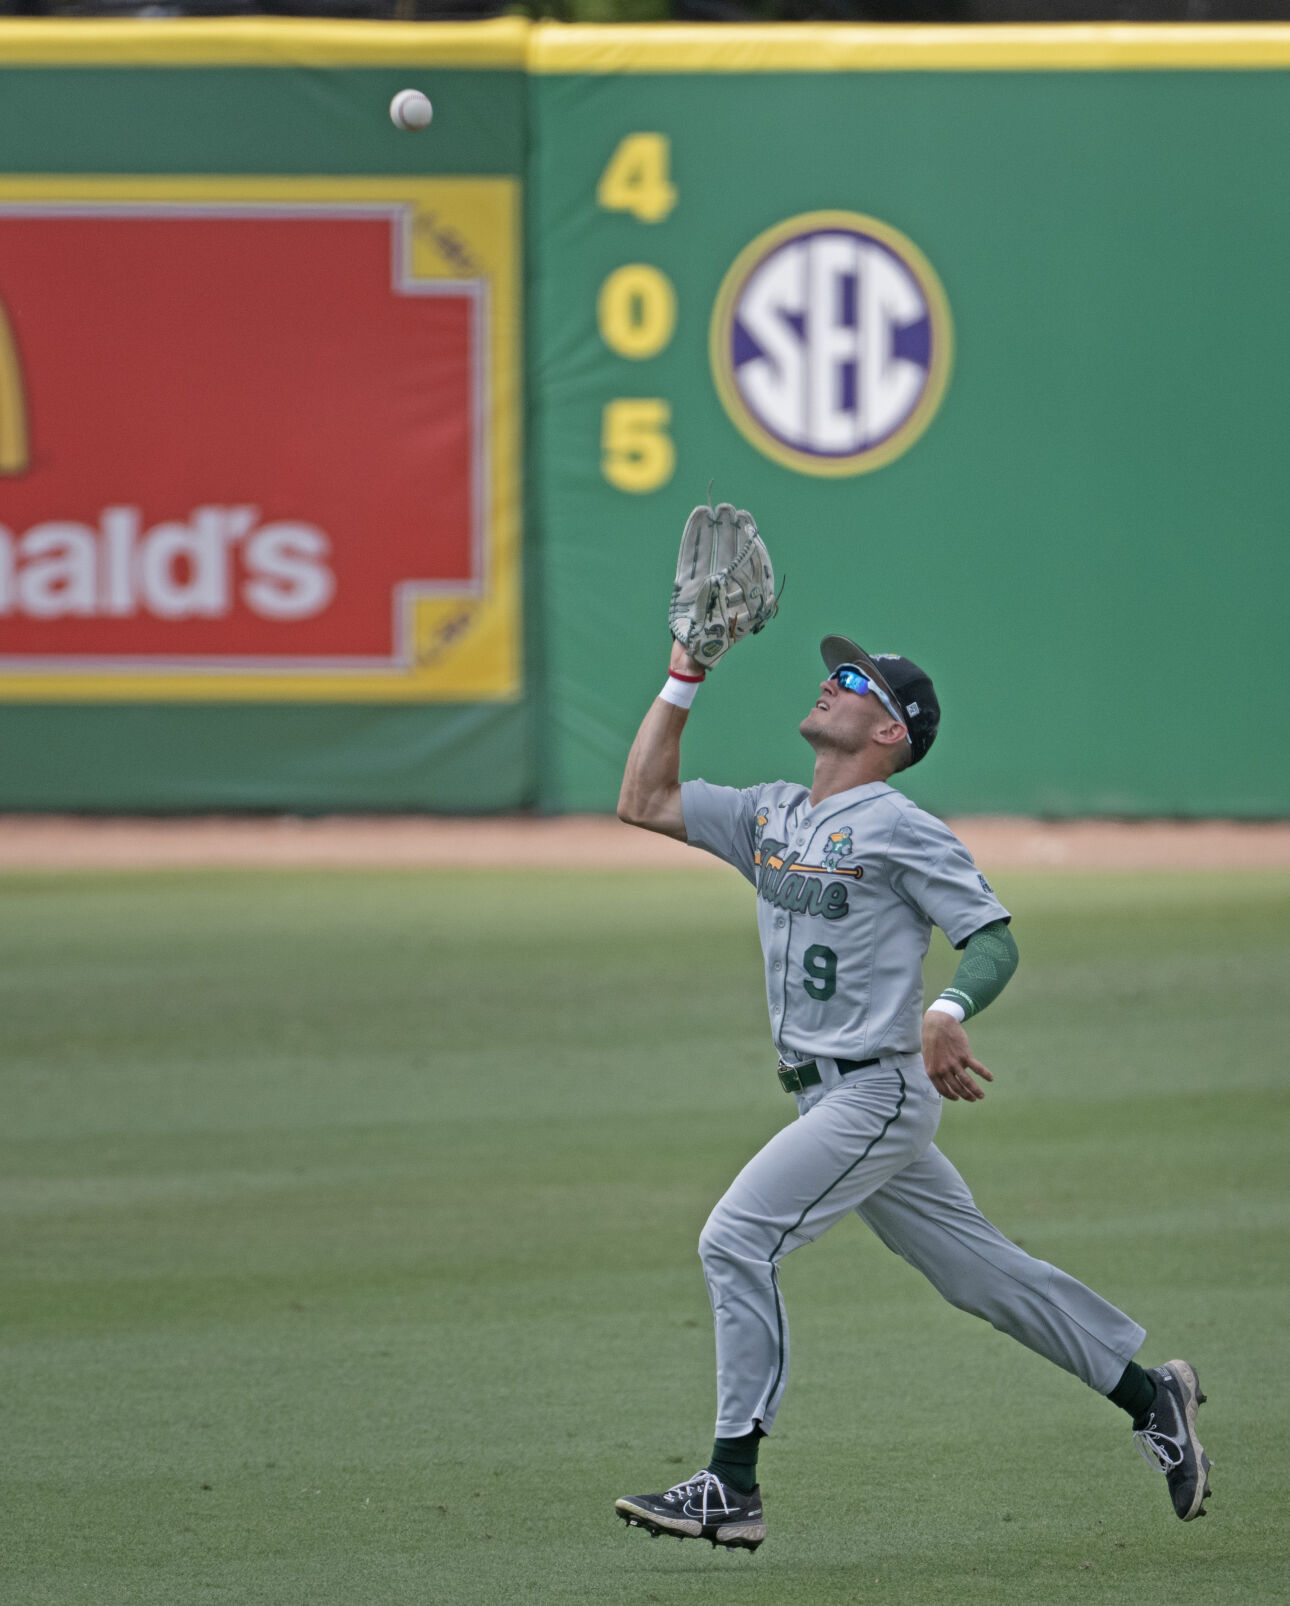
[[411, 109]]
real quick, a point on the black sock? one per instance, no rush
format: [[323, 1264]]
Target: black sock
[[734, 1461], [1135, 1392]]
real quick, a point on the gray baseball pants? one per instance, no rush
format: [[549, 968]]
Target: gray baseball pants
[[864, 1143]]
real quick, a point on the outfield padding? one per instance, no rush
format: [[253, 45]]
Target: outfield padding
[[380, 514]]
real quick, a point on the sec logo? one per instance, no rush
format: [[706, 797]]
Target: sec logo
[[831, 343]]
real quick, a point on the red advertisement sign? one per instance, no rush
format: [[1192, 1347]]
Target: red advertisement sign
[[255, 438]]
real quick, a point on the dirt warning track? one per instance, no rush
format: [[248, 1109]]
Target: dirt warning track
[[63, 842]]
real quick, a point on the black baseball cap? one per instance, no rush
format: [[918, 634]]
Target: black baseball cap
[[908, 686]]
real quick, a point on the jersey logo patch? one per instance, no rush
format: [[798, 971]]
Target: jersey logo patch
[[837, 848], [797, 887]]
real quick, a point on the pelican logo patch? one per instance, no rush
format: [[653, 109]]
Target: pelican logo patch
[[831, 343]]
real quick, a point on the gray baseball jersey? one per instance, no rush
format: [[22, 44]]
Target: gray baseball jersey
[[847, 895]]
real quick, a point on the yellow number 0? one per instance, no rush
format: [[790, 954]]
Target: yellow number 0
[[636, 310], [636, 179], [636, 451]]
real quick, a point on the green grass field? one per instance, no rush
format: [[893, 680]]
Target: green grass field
[[349, 1232]]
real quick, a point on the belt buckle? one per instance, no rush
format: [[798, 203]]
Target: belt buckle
[[790, 1078]]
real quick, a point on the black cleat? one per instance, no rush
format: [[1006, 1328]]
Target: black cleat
[[701, 1508], [1166, 1437]]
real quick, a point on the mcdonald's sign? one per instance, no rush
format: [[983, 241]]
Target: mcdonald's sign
[[257, 439]]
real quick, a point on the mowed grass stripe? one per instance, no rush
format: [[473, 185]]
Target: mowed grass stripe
[[349, 1230]]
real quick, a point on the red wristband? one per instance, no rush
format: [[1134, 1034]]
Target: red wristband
[[690, 680]]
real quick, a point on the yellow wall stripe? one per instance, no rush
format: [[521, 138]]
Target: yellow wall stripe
[[261, 42], [829, 47], [552, 47]]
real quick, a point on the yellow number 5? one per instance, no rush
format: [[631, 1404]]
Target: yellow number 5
[[636, 451], [637, 178]]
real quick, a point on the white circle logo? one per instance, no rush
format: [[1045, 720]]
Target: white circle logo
[[831, 343]]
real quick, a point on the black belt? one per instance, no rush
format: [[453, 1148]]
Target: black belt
[[797, 1078]]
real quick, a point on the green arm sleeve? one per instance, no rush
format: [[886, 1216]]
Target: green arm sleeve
[[989, 959]]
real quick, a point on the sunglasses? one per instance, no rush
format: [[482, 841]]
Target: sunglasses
[[852, 678]]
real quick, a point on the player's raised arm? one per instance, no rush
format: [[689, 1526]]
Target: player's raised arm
[[724, 589], [651, 790]]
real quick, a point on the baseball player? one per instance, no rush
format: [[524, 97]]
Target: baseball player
[[851, 877]]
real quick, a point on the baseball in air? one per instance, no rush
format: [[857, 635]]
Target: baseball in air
[[411, 109]]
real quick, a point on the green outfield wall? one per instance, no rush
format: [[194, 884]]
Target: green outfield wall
[[986, 325], [261, 408]]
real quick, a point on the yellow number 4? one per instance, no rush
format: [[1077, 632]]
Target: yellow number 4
[[636, 451], [637, 178]]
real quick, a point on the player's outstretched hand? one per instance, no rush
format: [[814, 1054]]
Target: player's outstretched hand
[[948, 1056], [683, 663]]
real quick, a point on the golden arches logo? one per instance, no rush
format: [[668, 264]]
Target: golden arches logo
[[14, 450]]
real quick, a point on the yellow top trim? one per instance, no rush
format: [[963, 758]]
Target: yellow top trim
[[261, 42], [830, 47], [553, 47]]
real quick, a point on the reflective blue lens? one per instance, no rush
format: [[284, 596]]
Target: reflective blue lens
[[850, 679]]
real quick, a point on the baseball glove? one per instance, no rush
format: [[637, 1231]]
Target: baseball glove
[[725, 586]]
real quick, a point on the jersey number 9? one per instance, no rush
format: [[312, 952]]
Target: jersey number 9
[[821, 967]]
